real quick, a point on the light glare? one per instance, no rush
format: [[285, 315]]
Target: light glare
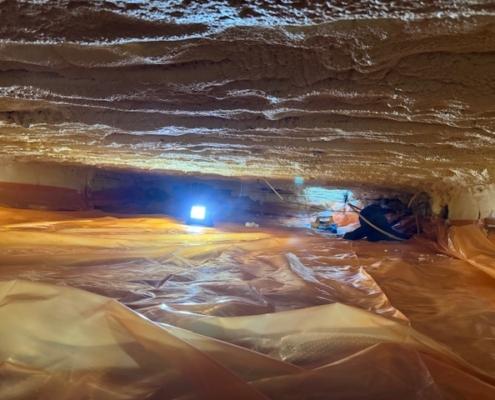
[[198, 212]]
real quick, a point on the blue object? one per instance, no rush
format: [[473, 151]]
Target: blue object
[[298, 180], [327, 197], [328, 228]]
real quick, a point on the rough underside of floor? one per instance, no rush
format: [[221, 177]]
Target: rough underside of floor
[[393, 93]]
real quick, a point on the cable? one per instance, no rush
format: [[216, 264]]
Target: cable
[[274, 190], [390, 235]]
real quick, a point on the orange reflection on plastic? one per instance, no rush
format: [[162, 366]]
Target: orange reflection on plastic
[[239, 314]]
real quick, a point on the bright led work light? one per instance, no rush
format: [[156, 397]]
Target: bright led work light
[[198, 213]]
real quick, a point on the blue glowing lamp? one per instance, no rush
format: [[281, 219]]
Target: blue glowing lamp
[[198, 213]]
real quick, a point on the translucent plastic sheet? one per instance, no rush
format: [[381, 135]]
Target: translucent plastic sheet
[[234, 314], [471, 244]]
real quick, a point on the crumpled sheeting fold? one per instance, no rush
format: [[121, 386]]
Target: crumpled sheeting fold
[[169, 313]]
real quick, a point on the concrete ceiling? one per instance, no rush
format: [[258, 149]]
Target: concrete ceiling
[[398, 94]]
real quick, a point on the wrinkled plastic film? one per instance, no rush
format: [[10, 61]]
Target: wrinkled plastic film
[[238, 314]]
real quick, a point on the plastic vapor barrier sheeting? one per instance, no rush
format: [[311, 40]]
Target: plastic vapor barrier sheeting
[[95, 307]]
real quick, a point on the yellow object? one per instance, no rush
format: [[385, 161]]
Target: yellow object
[[170, 313]]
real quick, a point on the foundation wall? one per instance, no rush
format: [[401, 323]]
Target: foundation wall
[[62, 187], [475, 203], [43, 186]]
